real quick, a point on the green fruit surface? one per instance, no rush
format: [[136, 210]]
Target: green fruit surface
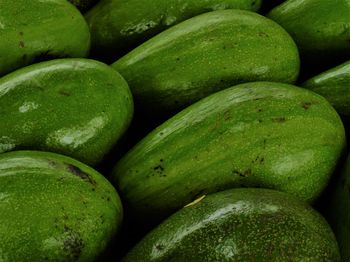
[[54, 208], [76, 107], [321, 28], [334, 85], [32, 31], [207, 53], [260, 134], [340, 212], [241, 225], [118, 26], [83, 5]]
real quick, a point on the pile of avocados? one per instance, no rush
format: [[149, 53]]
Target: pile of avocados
[[178, 130]]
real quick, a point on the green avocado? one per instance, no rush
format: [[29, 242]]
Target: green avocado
[[334, 85], [54, 208], [339, 213], [321, 29], [73, 106], [260, 134], [241, 225], [205, 54], [35, 30], [83, 5], [119, 26]]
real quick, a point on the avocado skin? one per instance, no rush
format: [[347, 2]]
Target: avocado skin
[[54, 208], [76, 107], [320, 29], [241, 225], [119, 26], [83, 5], [205, 54], [334, 86], [260, 134], [34, 31]]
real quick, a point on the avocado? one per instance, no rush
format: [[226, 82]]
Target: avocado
[[119, 26], [54, 208], [240, 225], [320, 28], [205, 54], [34, 31], [76, 107], [334, 85], [259, 134]]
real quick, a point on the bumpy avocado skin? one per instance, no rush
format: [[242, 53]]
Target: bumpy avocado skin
[[319, 27], [35, 30], [339, 215], [205, 54], [83, 5], [76, 107], [119, 26], [260, 134], [334, 85], [241, 225], [54, 208]]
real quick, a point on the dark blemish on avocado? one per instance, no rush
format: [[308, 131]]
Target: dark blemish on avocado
[[253, 3], [21, 33], [161, 133], [52, 163], [246, 173], [260, 121], [227, 115], [262, 160], [224, 47], [73, 243], [260, 110], [21, 44], [306, 105], [279, 119], [159, 247], [161, 160], [159, 169], [108, 199], [263, 34], [178, 59], [64, 93], [80, 173]]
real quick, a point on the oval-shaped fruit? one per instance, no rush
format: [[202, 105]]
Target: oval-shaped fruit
[[33, 31], [119, 26], [54, 208], [205, 54], [260, 134], [321, 28], [76, 107], [241, 225], [334, 85], [83, 5]]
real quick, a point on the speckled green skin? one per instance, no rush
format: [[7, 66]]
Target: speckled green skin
[[54, 208], [119, 26], [76, 107], [83, 5], [241, 225], [37, 30], [321, 28], [260, 134], [334, 85], [205, 54]]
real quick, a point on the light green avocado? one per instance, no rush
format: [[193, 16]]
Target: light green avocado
[[205, 54], [334, 85], [35, 30], [241, 225], [76, 107], [340, 212], [54, 208], [260, 134], [119, 26], [321, 28]]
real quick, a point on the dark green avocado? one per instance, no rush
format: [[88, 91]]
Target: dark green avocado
[[76, 107], [36, 30], [240, 225], [54, 208]]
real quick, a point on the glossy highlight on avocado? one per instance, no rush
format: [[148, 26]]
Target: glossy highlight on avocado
[[54, 208], [334, 85], [119, 26], [34, 31], [259, 134], [241, 225], [76, 107], [205, 54]]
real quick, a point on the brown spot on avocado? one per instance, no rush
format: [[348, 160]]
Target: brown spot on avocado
[[73, 243], [21, 44], [279, 119], [64, 93], [21, 33], [159, 247], [306, 105], [80, 173], [159, 169]]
